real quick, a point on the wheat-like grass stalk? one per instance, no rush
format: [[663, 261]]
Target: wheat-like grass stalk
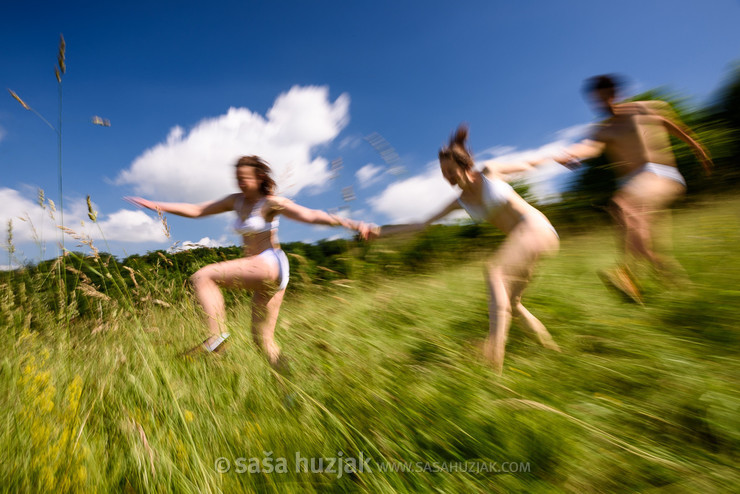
[[91, 291], [19, 100], [165, 258], [61, 56], [131, 273], [91, 213], [10, 246], [163, 219], [82, 238], [83, 276]]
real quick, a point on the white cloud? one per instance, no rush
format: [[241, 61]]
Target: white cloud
[[351, 142], [203, 242], [126, 225], [31, 223], [574, 133], [494, 152], [415, 198], [197, 165], [368, 175]]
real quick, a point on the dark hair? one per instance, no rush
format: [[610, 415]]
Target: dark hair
[[264, 172], [606, 81], [457, 149]]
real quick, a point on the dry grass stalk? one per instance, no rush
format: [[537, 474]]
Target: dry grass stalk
[[83, 276], [84, 239], [155, 301], [131, 273], [61, 56], [165, 258], [142, 436], [91, 213], [163, 219], [90, 291], [11, 247], [19, 100]]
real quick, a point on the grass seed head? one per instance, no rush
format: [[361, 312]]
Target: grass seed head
[[18, 99]]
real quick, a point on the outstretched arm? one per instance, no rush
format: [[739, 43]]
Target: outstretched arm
[[415, 227], [570, 157], [493, 167], [185, 209], [701, 153], [289, 209], [584, 150]]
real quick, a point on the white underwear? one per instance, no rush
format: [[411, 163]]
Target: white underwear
[[666, 171], [282, 261]]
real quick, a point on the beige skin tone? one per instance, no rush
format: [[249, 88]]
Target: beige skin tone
[[257, 274], [509, 271], [634, 134]]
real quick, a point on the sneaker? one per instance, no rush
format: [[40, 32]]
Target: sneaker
[[621, 280], [201, 349]]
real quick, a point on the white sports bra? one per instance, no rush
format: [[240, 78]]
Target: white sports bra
[[254, 223], [495, 195]]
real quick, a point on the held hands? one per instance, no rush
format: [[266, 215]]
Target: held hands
[[368, 231]]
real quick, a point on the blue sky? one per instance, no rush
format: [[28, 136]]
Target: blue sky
[[189, 86]]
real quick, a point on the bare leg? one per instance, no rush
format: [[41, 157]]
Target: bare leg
[[250, 273], [645, 199], [508, 275], [499, 318], [530, 322], [265, 310]]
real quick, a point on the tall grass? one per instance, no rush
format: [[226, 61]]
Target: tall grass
[[640, 399]]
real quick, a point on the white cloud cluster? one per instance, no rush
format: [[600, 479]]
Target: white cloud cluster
[[197, 165], [31, 223]]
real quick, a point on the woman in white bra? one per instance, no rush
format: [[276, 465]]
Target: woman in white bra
[[264, 267], [486, 197]]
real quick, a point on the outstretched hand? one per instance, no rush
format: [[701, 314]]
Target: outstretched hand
[[368, 231], [141, 202]]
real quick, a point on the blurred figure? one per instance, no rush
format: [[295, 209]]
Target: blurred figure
[[264, 267], [487, 197], [635, 138]]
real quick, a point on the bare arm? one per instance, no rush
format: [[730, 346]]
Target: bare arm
[[569, 157], [586, 149], [701, 153], [185, 209], [289, 209], [493, 167], [415, 227]]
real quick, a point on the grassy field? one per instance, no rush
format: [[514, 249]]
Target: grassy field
[[640, 399]]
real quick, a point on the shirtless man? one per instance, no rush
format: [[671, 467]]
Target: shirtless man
[[635, 138]]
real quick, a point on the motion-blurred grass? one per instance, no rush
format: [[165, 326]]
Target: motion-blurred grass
[[640, 399]]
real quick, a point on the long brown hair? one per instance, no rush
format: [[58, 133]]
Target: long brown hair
[[264, 172], [457, 150]]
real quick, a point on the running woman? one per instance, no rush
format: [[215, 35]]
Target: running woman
[[635, 138], [264, 267], [487, 197]]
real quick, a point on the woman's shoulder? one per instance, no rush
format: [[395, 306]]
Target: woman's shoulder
[[275, 204]]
